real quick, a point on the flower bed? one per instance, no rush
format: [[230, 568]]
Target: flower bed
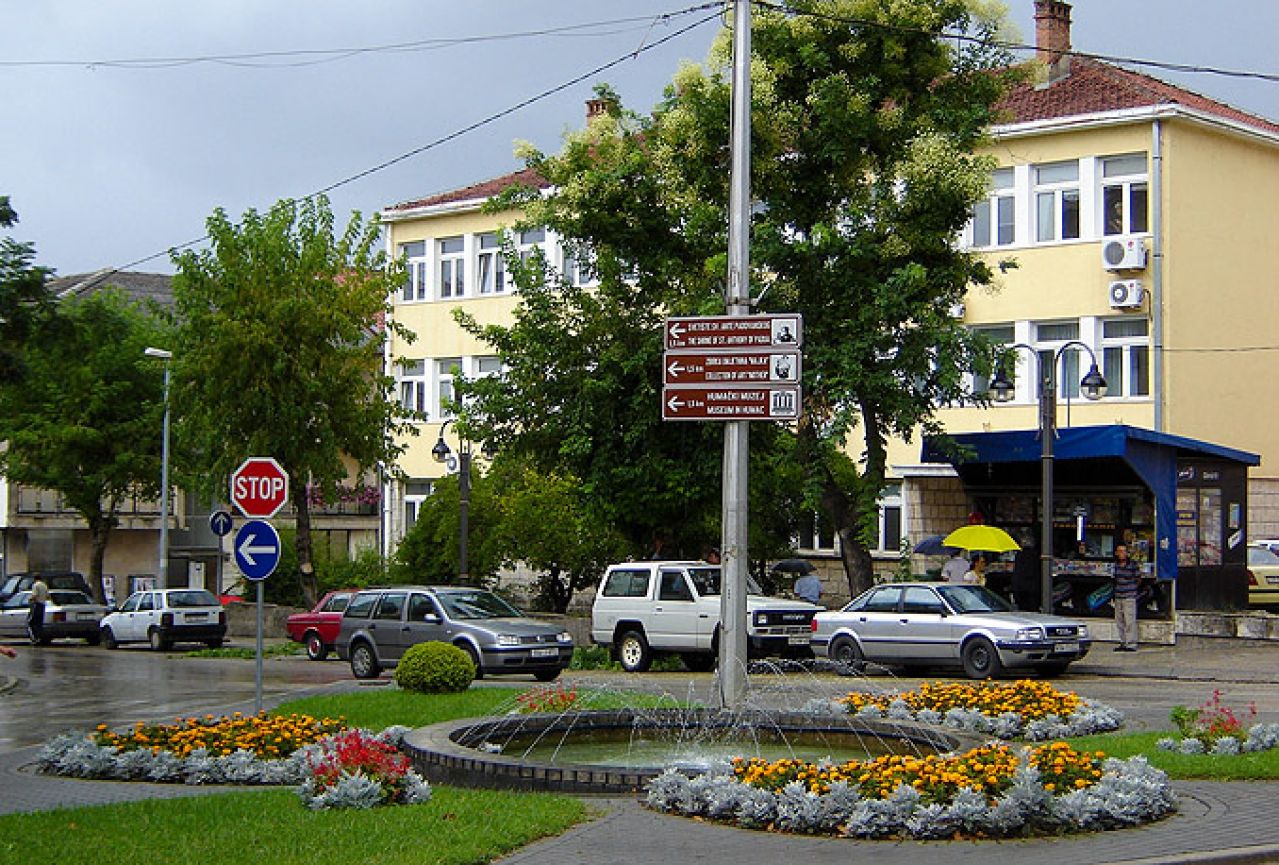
[[355, 769], [1028, 709], [1214, 728], [988, 792]]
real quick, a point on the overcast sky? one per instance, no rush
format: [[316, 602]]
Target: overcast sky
[[107, 165]]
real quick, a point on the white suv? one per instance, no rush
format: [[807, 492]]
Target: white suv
[[163, 617], [643, 609]]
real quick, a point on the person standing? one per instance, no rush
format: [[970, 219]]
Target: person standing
[[809, 588], [955, 568], [35, 615], [1027, 582], [976, 575], [1127, 576]]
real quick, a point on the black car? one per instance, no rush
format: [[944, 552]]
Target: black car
[[70, 580]]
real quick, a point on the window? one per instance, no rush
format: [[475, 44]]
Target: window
[[994, 220], [527, 241], [415, 493], [391, 607], [673, 587], [890, 518], [413, 386], [421, 606], [1056, 201], [626, 584], [816, 533], [490, 271], [883, 600], [488, 365], [445, 370], [579, 267], [452, 252], [1048, 340], [415, 278], [361, 605], [1124, 194], [1125, 350], [918, 599], [999, 335]]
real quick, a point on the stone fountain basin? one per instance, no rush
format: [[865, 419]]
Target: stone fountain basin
[[449, 753]]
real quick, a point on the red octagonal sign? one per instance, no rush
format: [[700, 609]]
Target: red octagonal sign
[[259, 487]]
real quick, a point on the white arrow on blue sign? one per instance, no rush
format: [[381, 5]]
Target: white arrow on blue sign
[[257, 549], [220, 523]]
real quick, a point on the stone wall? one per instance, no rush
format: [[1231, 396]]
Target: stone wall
[[1263, 508]]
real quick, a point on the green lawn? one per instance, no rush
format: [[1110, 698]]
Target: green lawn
[[272, 826], [1258, 766]]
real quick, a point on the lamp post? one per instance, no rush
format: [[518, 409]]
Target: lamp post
[[1093, 387], [163, 570], [441, 452]]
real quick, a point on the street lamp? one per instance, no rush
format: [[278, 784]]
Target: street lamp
[[441, 452], [1093, 387], [163, 570]]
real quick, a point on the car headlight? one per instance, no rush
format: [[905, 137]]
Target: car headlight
[[1083, 632], [1030, 633], [761, 619], [508, 640], [565, 637]]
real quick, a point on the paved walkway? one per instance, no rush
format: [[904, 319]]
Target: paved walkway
[[1217, 822]]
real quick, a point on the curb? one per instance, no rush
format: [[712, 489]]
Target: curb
[[7, 684], [1259, 854]]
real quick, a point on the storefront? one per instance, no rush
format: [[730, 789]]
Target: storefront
[[1179, 504]]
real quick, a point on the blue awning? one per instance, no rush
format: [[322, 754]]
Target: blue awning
[[1151, 455]]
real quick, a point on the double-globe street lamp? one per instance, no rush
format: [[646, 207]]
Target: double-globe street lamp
[[441, 452], [163, 570], [1002, 389]]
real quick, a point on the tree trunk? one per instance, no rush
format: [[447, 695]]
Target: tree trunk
[[302, 544], [99, 532]]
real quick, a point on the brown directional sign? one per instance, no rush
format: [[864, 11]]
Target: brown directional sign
[[730, 403], [727, 332], [731, 367]]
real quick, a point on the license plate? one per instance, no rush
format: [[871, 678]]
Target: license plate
[[1272, 580], [1066, 647], [798, 640], [191, 617], [545, 653], [85, 617]]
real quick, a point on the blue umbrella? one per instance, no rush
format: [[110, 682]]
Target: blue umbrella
[[932, 546]]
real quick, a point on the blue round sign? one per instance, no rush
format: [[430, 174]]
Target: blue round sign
[[220, 523], [257, 549]]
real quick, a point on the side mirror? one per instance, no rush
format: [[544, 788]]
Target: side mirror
[[431, 618]]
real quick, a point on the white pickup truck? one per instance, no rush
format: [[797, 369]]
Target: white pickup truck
[[646, 609]]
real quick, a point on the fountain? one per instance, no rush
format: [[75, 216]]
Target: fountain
[[617, 751]]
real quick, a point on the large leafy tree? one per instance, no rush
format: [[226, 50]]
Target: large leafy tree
[[279, 352], [85, 419], [25, 299], [865, 118]]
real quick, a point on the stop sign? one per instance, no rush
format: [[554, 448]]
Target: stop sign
[[259, 487]]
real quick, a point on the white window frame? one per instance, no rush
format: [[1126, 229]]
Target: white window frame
[[451, 267], [416, 492], [1122, 356], [1005, 334], [1067, 374], [416, 285], [812, 538], [1055, 193], [1126, 184], [890, 499], [490, 266], [442, 385], [987, 227], [579, 269], [412, 385]]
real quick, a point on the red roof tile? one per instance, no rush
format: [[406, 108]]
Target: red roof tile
[[486, 189], [1093, 86]]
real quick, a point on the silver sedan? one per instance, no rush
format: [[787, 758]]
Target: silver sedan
[[67, 614], [944, 624]]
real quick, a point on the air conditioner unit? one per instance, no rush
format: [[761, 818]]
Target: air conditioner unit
[[957, 310], [1123, 253], [1126, 293]]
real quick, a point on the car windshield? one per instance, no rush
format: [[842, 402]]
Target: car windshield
[[706, 581], [192, 598], [973, 599], [1261, 556], [65, 597], [476, 605]]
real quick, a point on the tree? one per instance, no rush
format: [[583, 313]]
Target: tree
[[864, 121], [85, 419], [25, 300], [279, 353], [429, 551]]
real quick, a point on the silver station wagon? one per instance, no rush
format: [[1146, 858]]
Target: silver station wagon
[[946, 624], [378, 625]]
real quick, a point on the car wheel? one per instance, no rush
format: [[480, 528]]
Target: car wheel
[[633, 652], [316, 650], [213, 644], [981, 661], [1053, 669], [546, 675], [364, 663], [109, 640], [93, 639], [475, 659], [698, 662], [157, 640], [847, 656]]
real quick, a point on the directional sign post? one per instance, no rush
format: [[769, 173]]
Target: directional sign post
[[783, 330], [731, 367], [257, 553], [220, 523], [260, 487]]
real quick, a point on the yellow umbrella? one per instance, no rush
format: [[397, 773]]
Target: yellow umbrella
[[979, 537]]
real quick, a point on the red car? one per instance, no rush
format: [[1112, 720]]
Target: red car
[[318, 629]]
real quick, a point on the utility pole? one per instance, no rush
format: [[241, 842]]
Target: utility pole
[[734, 546]]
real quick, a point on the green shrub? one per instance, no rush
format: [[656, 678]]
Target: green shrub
[[435, 668]]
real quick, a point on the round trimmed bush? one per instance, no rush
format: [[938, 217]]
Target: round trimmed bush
[[435, 668]]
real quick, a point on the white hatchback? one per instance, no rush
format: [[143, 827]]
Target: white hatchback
[[163, 617]]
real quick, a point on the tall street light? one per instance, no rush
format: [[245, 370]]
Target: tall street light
[[163, 570], [441, 452], [1093, 387]]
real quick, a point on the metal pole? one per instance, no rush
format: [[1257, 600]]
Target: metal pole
[[257, 679], [1047, 429], [164, 488], [463, 509], [736, 481]]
